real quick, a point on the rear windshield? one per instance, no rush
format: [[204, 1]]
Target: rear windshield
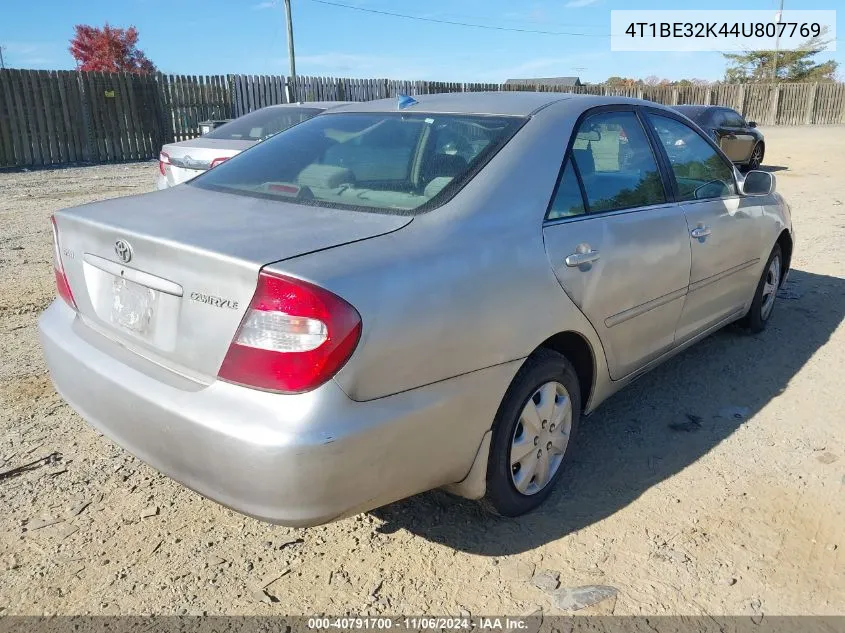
[[694, 113], [262, 124], [388, 162]]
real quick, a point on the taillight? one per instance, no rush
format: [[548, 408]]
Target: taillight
[[163, 159], [294, 337], [62, 286], [217, 161]]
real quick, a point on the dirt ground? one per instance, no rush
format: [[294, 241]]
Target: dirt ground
[[716, 484]]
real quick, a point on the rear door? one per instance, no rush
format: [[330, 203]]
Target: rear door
[[725, 232], [619, 247]]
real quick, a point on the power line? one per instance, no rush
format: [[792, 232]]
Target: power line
[[453, 22]]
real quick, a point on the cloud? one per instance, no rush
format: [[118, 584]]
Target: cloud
[[575, 4], [536, 14], [268, 4], [28, 54]]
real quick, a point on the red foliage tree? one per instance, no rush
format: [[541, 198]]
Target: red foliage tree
[[109, 49]]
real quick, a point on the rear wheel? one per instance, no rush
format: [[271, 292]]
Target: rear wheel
[[532, 434], [767, 290]]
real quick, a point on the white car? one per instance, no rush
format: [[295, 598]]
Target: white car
[[179, 162]]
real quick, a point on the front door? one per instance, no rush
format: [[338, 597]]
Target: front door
[[724, 229], [735, 139], [619, 248]]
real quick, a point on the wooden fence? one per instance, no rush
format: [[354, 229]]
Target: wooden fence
[[61, 117]]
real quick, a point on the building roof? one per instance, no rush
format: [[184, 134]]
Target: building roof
[[545, 81]]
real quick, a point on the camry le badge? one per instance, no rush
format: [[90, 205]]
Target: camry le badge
[[123, 250]]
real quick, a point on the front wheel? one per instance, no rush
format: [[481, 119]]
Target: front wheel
[[756, 157], [532, 434], [767, 289]]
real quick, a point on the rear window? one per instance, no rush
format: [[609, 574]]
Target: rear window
[[388, 162], [262, 124]]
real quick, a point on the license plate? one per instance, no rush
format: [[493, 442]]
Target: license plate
[[133, 306]]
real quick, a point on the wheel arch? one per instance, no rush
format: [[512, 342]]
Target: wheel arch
[[785, 242], [579, 352]]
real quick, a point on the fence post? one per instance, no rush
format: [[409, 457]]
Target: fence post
[[86, 119], [811, 104], [773, 112], [741, 99]]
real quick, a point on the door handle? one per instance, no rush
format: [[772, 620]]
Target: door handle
[[700, 231], [580, 258]]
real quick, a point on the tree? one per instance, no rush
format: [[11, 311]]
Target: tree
[[109, 49], [621, 82], [795, 66]]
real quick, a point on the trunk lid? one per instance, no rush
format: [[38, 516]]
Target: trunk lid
[[190, 158], [170, 274]]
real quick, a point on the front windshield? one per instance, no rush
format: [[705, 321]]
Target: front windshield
[[263, 123], [383, 161]]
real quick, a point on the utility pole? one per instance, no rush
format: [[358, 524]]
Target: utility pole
[[777, 46], [2, 63], [292, 79]]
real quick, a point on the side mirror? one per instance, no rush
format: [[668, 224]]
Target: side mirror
[[758, 183], [752, 124]]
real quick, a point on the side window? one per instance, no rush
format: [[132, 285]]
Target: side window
[[700, 171], [732, 119], [616, 163], [719, 119], [567, 200]]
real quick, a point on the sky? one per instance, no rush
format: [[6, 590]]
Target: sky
[[202, 37]]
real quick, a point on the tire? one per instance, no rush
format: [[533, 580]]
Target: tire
[[763, 303], [554, 373], [756, 157]]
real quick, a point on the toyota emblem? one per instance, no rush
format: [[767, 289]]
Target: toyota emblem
[[123, 250]]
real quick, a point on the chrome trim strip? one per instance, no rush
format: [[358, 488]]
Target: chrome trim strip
[[132, 274]]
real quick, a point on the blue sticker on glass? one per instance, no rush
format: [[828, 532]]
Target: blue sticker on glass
[[404, 101]]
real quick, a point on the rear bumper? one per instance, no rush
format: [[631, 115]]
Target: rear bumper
[[176, 176], [297, 460]]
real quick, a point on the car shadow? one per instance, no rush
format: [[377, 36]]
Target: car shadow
[[649, 431], [773, 168]]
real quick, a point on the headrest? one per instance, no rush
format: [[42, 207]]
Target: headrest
[[325, 176], [436, 186]]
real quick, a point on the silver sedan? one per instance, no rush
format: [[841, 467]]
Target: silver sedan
[[387, 299], [179, 162]]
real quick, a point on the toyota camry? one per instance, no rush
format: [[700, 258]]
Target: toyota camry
[[386, 299]]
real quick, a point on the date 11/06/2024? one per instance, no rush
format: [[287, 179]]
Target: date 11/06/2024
[[421, 623]]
